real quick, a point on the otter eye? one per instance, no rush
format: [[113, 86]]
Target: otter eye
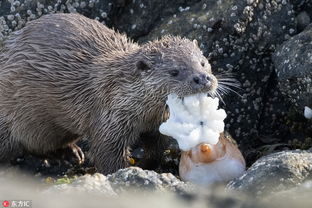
[[174, 73], [202, 63]]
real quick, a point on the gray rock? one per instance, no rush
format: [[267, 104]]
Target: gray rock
[[14, 14], [124, 180], [19, 190], [275, 172], [294, 197], [135, 178], [86, 191], [303, 20], [138, 18], [300, 5], [293, 64], [96, 184]]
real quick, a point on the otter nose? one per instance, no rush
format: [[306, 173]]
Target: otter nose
[[202, 80]]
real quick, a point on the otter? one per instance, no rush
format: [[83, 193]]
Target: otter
[[65, 77]]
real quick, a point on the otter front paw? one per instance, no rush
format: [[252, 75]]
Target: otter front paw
[[77, 152]]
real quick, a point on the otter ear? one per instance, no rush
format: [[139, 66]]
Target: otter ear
[[195, 42], [142, 66]]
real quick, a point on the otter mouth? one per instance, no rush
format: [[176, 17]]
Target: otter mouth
[[195, 95], [209, 93], [193, 120], [210, 89]]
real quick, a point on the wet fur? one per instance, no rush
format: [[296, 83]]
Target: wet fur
[[65, 76]]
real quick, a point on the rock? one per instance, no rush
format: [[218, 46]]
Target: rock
[[304, 188], [138, 18], [135, 178], [239, 37], [293, 63], [303, 11], [293, 196], [15, 14], [216, 197], [122, 181], [307, 112], [303, 20], [302, 5], [81, 195], [275, 172], [96, 184]]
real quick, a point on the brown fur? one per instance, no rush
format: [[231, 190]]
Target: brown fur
[[65, 76]]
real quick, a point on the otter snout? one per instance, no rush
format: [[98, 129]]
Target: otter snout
[[203, 81]]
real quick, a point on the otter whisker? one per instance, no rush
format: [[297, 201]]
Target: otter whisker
[[229, 81], [227, 88], [223, 91], [233, 85], [233, 80], [225, 74], [217, 94]]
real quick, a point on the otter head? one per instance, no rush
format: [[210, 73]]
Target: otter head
[[176, 65]]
